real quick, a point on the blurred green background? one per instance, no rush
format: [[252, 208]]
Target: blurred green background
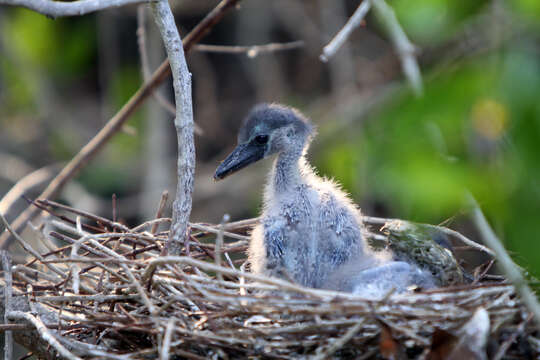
[[476, 128]]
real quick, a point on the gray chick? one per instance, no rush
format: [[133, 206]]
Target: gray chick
[[310, 231]]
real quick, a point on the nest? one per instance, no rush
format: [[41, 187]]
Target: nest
[[108, 293]]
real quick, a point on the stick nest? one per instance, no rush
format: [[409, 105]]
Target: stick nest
[[107, 292]]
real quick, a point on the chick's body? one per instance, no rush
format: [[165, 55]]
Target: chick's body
[[308, 228], [310, 232]]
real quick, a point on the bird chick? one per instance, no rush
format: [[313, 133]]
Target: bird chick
[[309, 228]]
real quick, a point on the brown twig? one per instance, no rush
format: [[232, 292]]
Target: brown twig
[[161, 207]]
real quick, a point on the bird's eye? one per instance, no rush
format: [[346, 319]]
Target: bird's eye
[[261, 139]]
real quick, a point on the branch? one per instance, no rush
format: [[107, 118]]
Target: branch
[[403, 46], [509, 268], [354, 21], [183, 122], [56, 9], [114, 125]]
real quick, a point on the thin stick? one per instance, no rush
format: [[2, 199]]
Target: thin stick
[[166, 346], [56, 9], [339, 39], [114, 208], [26, 246], [338, 344], [506, 344], [8, 292], [509, 268], [115, 123], [251, 51], [96, 218], [247, 223], [213, 230], [404, 47], [161, 207], [219, 244]]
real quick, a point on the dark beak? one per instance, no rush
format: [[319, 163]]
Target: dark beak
[[242, 156]]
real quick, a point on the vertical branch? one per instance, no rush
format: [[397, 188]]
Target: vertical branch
[[183, 122]]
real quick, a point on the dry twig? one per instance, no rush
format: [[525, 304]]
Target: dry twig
[[339, 39], [404, 47], [252, 50]]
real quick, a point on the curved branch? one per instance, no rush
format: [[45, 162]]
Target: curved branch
[[56, 9]]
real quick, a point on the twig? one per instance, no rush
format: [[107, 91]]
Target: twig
[[219, 243], [510, 269], [183, 122], [26, 246], [8, 292], [56, 9], [210, 229], [404, 48], [338, 344], [44, 332], [114, 208], [247, 223], [251, 51], [98, 219], [166, 346], [354, 21], [98, 298], [506, 345], [161, 207], [115, 123]]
